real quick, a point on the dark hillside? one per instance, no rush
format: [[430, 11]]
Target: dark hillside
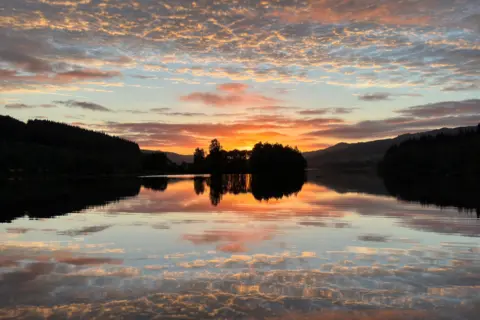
[[364, 155], [42, 147], [441, 156]]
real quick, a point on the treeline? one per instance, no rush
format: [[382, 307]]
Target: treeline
[[263, 158], [440, 157], [41, 147], [47, 148]]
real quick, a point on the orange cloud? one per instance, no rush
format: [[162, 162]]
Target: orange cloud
[[231, 94], [232, 87]]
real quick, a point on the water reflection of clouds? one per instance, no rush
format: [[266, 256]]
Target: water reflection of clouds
[[162, 252], [425, 277]]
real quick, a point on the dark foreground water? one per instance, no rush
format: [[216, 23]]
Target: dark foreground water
[[233, 247]]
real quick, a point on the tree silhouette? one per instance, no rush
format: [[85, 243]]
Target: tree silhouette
[[276, 158], [215, 146], [216, 157], [199, 160]]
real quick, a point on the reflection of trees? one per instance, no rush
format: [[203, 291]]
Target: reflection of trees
[[199, 185], [461, 194], [263, 187], [218, 187], [156, 184], [44, 199]]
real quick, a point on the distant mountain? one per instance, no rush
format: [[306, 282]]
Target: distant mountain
[[364, 154], [174, 157]]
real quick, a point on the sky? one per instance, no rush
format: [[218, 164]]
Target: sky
[[172, 75]]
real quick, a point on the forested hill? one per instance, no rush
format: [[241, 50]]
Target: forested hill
[[434, 157], [46, 147], [359, 155], [443, 170]]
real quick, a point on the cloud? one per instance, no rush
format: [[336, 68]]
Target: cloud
[[185, 114], [83, 105], [86, 74], [271, 108], [309, 112], [167, 112], [25, 62], [229, 99], [28, 106], [232, 87], [343, 110], [160, 110], [440, 109], [143, 77], [326, 110], [380, 96], [390, 127], [360, 43], [245, 130], [462, 87]]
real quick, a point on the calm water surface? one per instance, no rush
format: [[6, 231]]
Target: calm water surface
[[238, 248]]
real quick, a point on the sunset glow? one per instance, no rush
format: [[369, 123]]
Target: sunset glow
[[172, 75]]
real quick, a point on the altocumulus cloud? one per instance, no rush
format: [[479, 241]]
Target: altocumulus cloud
[[389, 36], [83, 105]]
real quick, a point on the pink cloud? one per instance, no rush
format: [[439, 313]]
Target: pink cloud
[[232, 87], [230, 99]]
